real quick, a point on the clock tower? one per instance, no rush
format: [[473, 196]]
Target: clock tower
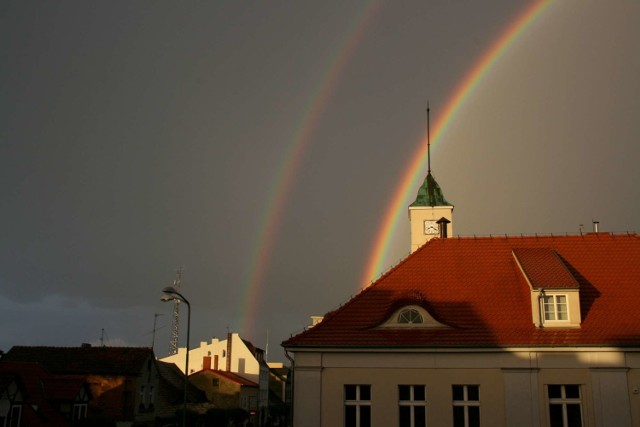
[[430, 215]]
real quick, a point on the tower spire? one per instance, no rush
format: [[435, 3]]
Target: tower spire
[[430, 214], [428, 143]]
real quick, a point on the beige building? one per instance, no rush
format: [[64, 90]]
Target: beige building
[[234, 355], [495, 331]]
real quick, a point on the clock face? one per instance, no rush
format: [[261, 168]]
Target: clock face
[[430, 227]]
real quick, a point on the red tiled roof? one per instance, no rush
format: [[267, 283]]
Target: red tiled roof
[[35, 377], [544, 268], [43, 392], [475, 286], [6, 378], [230, 376], [84, 360]]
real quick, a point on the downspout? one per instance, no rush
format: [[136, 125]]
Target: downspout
[[540, 308]]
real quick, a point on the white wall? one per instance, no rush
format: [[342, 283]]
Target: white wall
[[243, 362]]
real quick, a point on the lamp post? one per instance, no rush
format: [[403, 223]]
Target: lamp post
[[171, 294]]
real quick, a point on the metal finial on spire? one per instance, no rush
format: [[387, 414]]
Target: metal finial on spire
[[428, 143]]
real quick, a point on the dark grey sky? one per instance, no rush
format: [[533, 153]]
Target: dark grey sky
[[136, 137]]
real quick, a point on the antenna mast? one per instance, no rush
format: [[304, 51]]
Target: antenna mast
[[173, 345], [153, 337], [428, 142]]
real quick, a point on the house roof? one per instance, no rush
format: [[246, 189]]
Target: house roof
[[544, 269], [475, 287], [42, 391], [84, 360], [6, 378], [38, 381], [231, 376], [173, 377]]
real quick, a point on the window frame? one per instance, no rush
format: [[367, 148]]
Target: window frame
[[410, 316], [554, 305], [79, 411], [143, 397], [358, 403], [465, 403], [412, 403], [419, 313], [152, 396], [564, 401], [15, 415]]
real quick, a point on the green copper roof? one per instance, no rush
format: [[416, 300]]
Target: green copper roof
[[430, 194]]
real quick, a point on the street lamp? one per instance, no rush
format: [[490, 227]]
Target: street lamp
[[171, 294]]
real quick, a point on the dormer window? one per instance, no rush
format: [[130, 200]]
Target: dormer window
[[555, 292], [409, 315], [555, 307]]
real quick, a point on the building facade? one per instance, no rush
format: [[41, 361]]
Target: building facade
[[31, 396], [495, 331], [122, 381], [234, 355], [227, 390]]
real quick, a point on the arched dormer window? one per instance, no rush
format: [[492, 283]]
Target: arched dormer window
[[409, 315]]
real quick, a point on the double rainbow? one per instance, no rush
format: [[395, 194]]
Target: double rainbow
[[291, 160]]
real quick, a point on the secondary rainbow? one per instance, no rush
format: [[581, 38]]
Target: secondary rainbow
[[408, 184], [291, 161]]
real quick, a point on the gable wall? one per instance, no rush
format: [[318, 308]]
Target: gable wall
[[243, 362]]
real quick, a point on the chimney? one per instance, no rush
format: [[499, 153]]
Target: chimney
[[315, 320], [229, 348], [206, 363], [595, 226], [442, 227]]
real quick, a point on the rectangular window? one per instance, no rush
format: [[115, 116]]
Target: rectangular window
[[152, 396], [79, 411], [412, 402], [466, 405], [555, 307], [143, 398], [565, 406], [357, 405], [15, 416]]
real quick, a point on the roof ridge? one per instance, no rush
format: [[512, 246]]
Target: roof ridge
[[624, 234]]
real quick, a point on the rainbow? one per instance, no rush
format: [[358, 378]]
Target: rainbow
[[409, 182], [282, 185]]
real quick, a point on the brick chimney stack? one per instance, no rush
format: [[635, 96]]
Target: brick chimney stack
[[229, 348]]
